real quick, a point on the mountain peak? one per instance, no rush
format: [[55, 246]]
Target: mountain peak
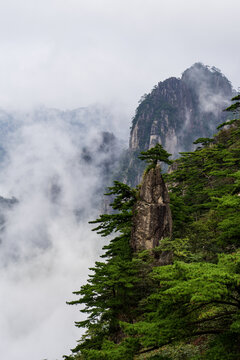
[[177, 111], [200, 77]]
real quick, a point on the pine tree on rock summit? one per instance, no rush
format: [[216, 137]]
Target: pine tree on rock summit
[[154, 155]]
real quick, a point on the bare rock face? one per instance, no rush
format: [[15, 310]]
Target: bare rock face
[[152, 220], [174, 114], [178, 111]]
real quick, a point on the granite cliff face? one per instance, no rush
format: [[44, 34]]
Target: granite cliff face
[[152, 220], [176, 113]]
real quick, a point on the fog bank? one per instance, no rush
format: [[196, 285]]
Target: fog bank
[[46, 243]]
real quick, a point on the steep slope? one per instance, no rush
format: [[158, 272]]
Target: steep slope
[[175, 113], [186, 308]]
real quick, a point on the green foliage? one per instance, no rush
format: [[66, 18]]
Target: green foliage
[[114, 287], [189, 309], [179, 351], [236, 106], [223, 347], [203, 141], [154, 155], [204, 192], [191, 300], [112, 351], [180, 248], [227, 123], [123, 202]]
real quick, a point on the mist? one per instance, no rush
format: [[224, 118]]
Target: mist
[[46, 244], [54, 164], [72, 54]]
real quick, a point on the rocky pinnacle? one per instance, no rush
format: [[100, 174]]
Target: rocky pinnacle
[[152, 220]]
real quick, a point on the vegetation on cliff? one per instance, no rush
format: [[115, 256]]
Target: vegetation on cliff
[[189, 308], [174, 114], [155, 155]]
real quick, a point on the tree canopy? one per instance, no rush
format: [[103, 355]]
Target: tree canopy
[[190, 308], [154, 155]]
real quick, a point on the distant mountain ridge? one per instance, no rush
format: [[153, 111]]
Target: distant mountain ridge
[[175, 113], [83, 143]]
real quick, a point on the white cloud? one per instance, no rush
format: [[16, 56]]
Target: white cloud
[[46, 249], [70, 54]]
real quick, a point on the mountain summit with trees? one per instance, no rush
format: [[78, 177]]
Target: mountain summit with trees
[[175, 113]]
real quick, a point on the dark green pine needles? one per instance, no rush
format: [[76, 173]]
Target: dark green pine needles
[[154, 155], [190, 309]]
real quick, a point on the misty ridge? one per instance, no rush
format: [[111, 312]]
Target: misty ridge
[[54, 168], [53, 163], [175, 113]]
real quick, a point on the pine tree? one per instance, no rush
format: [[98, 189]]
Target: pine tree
[[114, 287], [236, 106], [137, 309], [192, 300], [155, 155]]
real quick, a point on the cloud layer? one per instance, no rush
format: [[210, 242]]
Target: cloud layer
[[71, 54], [47, 244]]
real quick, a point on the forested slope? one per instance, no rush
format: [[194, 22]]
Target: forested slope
[[138, 308]]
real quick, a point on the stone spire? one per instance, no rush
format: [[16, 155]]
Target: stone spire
[[152, 220]]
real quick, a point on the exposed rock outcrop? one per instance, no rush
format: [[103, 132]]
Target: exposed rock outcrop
[[175, 113], [152, 220], [179, 110]]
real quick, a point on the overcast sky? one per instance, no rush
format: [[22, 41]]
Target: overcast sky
[[69, 54], [72, 53]]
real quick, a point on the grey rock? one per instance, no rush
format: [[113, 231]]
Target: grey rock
[[175, 113], [152, 220]]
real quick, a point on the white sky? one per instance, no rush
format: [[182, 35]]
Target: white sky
[[71, 53]]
